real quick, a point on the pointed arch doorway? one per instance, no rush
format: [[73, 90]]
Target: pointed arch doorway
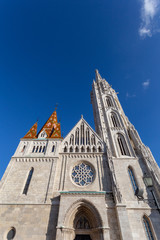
[[83, 222]]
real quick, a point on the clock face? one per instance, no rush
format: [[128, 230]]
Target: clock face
[[82, 174]]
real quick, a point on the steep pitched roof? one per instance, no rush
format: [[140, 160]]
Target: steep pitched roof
[[52, 127], [32, 133]]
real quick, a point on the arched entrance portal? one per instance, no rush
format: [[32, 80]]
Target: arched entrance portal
[[83, 222]]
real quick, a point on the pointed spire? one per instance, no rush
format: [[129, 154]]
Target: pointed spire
[[52, 127], [32, 133], [98, 76]]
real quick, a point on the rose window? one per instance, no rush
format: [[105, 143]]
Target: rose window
[[82, 174]]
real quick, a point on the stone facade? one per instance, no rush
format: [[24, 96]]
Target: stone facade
[[89, 185]]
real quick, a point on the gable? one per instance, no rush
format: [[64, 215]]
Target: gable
[[82, 138]]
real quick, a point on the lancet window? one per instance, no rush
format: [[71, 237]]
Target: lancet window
[[147, 228], [53, 148], [88, 149], [72, 140], [122, 145], [132, 178], [24, 147], [65, 149], [40, 149], [44, 148], [99, 149], [77, 149], [81, 140], [82, 149], [28, 181], [94, 149], [71, 149], [109, 102], [115, 121], [37, 148]]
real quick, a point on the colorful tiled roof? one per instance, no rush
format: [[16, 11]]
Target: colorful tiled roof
[[52, 127], [32, 133]]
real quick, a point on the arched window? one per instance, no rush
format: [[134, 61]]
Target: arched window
[[25, 190], [44, 148], [82, 134], [76, 149], [33, 149], [132, 178], [23, 148], [53, 147], [88, 149], [122, 145], [37, 149], [72, 140], [65, 149], [94, 149], [71, 149], [11, 234], [147, 228], [40, 149], [99, 149], [43, 134], [82, 149], [115, 121], [77, 137], [109, 102]]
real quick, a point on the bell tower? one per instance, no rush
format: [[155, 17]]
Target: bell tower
[[129, 160], [110, 120]]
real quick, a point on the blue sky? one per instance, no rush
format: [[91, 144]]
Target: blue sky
[[49, 51]]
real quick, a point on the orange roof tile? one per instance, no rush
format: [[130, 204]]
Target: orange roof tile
[[52, 127], [32, 133]]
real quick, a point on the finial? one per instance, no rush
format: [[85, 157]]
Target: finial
[[56, 106], [81, 116]]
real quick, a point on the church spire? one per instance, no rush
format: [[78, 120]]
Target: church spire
[[104, 84], [97, 75], [32, 133], [52, 127]]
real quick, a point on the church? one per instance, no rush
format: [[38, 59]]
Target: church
[[90, 185]]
